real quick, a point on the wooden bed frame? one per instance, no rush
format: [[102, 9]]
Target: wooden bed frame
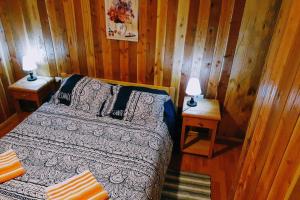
[[169, 90]]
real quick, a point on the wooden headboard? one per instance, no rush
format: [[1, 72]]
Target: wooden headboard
[[169, 90]]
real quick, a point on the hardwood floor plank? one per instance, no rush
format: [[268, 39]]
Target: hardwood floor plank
[[221, 167], [12, 122]]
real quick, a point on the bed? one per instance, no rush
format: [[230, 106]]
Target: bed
[[58, 141]]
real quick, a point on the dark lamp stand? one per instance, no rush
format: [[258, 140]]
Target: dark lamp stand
[[191, 102], [31, 77]]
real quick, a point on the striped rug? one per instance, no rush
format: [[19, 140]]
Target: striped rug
[[186, 186]]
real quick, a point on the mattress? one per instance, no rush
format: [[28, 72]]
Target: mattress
[[56, 142]]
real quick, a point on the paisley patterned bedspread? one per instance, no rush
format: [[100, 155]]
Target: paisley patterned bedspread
[[55, 143]]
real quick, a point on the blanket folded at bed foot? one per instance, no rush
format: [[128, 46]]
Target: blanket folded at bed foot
[[10, 166], [82, 186]]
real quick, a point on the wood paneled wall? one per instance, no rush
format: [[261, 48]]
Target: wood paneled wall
[[270, 160], [6, 78], [252, 46], [177, 39]]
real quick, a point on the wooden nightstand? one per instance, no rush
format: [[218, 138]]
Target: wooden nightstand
[[36, 91], [205, 115]]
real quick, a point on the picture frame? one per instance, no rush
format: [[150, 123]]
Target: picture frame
[[122, 19]]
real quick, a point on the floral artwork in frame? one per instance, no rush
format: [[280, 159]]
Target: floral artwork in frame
[[122, 19]]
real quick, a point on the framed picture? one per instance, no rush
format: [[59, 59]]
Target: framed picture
[[122, 19]]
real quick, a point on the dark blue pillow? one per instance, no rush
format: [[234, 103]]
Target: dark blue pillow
[[65, 93], [170, 117]]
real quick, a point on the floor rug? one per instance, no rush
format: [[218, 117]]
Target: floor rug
[[186, 186]]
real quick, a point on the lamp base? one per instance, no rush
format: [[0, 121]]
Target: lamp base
[[191, 102], [31, 77]]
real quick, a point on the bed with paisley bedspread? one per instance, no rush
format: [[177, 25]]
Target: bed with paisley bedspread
[[57, 142]]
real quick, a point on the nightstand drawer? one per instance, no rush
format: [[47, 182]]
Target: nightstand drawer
[[24, 95], [203, 123]]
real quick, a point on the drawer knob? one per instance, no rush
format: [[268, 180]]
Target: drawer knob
[[200, 124]]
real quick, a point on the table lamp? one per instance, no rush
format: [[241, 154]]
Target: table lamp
[[193, 88], [29, 64]]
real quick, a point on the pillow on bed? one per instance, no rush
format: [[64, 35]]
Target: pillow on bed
[[131, 99], [89, 95], [116, 105], [121, 95], [64, 93], [83, 93], [145, 108]]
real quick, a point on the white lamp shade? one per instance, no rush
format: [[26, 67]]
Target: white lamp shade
[[193, 87], [28, 63]]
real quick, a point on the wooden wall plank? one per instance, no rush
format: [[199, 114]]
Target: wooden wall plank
[[264, 95], [294, 189], [80, 38], [115, 56], [161, 26], [142, 44], [284, 114], [6, 76], [170, 37], [57, 27], [210, 44], [124, 68], [13, 12], [247, 65], [8, 47], [269, 162], [151, 37], [71, 34], [258, 103], [96, 18], [188, 48], [107, 57], [289, 168], [200, 38], [132, 62], [5, 57], [63, 38], [88, 37], [282, 136], [35, 35], [7, 109], [181, 28], [230, 49], [220, 47], [3, 103], [45, 25]]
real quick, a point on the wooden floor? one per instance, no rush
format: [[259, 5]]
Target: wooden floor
[[221, 167], [12, 122]]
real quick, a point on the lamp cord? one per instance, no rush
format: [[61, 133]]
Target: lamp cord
[[186, 109]]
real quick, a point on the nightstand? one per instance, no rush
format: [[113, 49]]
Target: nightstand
[[36, 91], [205, 116]]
